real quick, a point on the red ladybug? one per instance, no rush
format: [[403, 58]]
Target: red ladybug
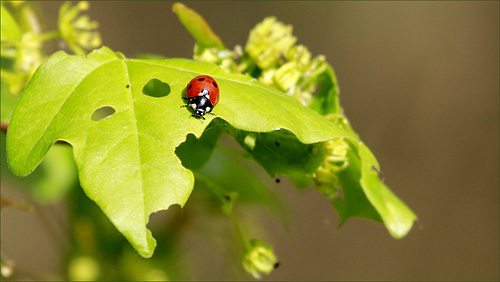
[[203, 95]]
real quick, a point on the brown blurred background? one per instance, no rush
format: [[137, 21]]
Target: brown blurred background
[[420, 84]]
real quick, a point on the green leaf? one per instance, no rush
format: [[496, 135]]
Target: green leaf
[[279, 152], [127, 162], [354, 202], [198, 27], [326, 100], [9, 29], [234, 175], [365, 195], [397, 217]]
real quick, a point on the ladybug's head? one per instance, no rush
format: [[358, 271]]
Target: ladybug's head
[[199, 112], [201, 105]]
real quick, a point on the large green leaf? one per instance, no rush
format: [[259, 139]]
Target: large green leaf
[[127, 162]]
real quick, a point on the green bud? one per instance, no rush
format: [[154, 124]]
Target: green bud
[[303, 96], [208, 55], [267, 77], [316, 67], [287, 76], [299, 54], [326, 182], [259, 259], [250, 141], [335, 161], [83, 268], [223, 58]]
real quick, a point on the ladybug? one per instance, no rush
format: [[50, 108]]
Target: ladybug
[[203, 95]]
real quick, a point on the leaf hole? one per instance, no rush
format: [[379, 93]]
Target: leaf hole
[[156, 88], [102, 113]]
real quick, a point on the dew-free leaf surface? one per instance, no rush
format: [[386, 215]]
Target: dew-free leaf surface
[[126, 159]]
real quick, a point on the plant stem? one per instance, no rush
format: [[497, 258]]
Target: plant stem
[[4, 126], [234, 152], [49, 35], [220, 193], [240, 231]]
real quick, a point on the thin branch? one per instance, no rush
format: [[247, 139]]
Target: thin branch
[[4, 126]]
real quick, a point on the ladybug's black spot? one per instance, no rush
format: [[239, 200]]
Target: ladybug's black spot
[[201, 79], [156, 88], [215, 84], [190, 85], [102, 113]]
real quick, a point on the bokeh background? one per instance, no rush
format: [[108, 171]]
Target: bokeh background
[[419, 82]]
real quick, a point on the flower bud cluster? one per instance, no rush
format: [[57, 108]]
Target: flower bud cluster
[[284, 64], [259, 259], [79, 31], [271, 49]]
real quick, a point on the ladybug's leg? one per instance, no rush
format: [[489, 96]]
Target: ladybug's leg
[[187, 99], [193, 115], [212, 114]]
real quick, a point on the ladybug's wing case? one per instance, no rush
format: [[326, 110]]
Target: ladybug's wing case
[[197, 84], [190, 91], [214, 98], [214, 91]]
